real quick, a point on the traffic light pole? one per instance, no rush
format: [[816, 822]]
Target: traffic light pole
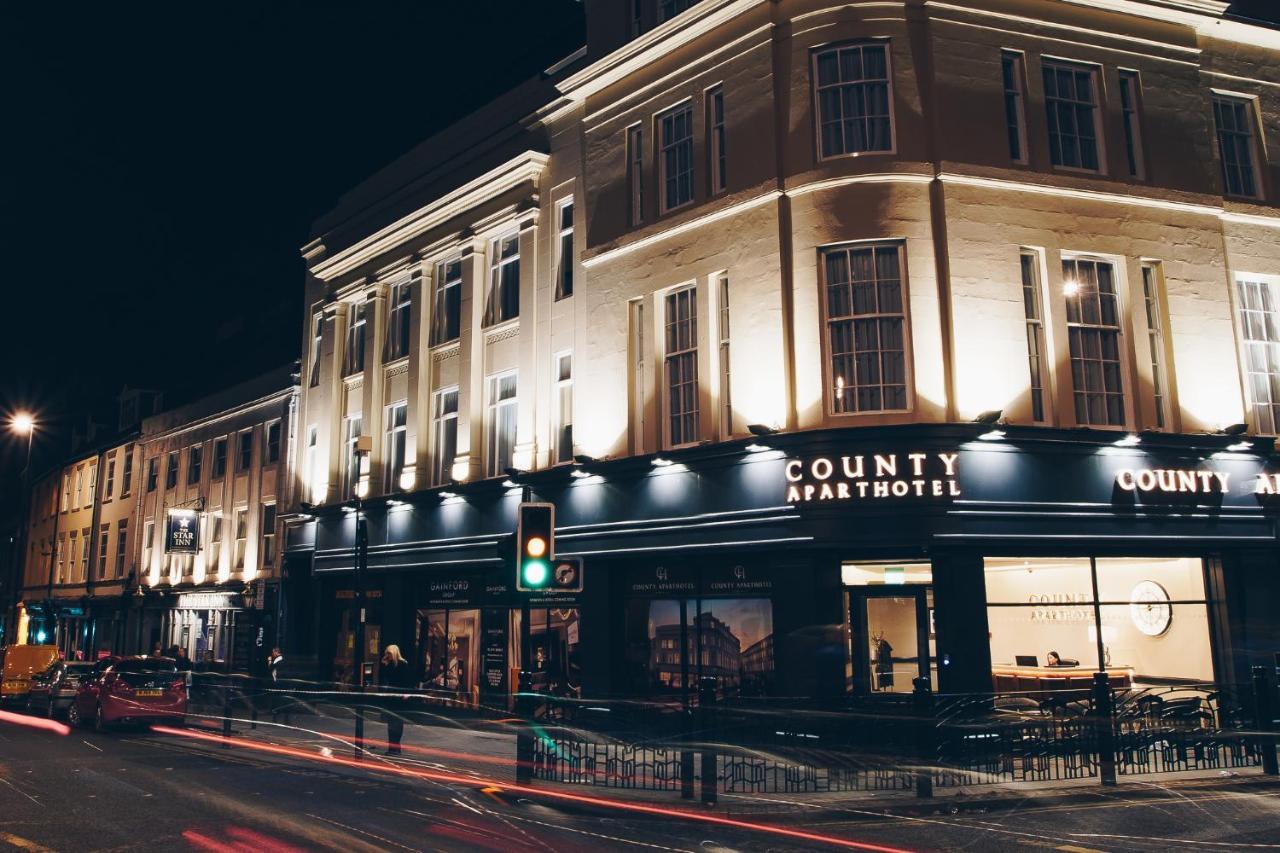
[[524, 701], [362, 558]]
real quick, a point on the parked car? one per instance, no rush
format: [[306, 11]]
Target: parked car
[[131, 690], [53, 690], [20, 663]]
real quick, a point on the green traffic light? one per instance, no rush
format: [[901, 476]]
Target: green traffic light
[[536, 573]]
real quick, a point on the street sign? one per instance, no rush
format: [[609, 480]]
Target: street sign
[[566, 574]]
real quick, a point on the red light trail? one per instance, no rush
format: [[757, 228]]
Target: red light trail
[[474, 782], [35, 723]]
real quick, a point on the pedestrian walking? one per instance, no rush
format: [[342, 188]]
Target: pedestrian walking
[[277, 703], [396, 674]]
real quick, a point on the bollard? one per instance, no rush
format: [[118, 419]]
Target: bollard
[[1105, 726], [1264, 722], [926, 744]]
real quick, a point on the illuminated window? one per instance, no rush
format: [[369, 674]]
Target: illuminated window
[[1130, 96], [675, 160], [214, 561], [398, 320], [715, 139], [310, 470], [75, 503], [317, 337], [635, 172], [1151, 299], [504, 280], [148, 544], [397, 433], [242, 535], [351, 456], [680, 358], [268, 556], [122, 540], [92, 478], [564, 276], [1034, 312], [444, 435], [66, 490], [272, 443], [726, 396], [110, 483], [104, 539], [639, 373], [1015, 118], [866, 328], [355, 339], [195, 464], [219, 457], [854, 97], [171, 470], [1233, 118], [1260, 333], [563, 428], [71, 559], [501, 424], [446, 309], [244, 451], [1071, 104], [1093, 331]]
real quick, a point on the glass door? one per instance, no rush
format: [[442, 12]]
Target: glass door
[[891, 639]]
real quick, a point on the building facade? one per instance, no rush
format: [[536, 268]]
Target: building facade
[[211, 476], [891, 340]]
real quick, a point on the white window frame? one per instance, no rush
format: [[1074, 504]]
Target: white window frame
[[242, 464], [635, 172], [126, 474], [267, 535], [495, 407], [494, 313], [268, 456], [638, 350], [684, 107], [122, 539], [1122, 346], [218, 469], [148, 545], [1018, 93], [241, 537], [61, 551], [317, 340], [443, 289], [395, 432], [562, 387], [66, 491], [1153, 301], [675, 354], [195, 464], [717, 154], [357, 333], [724, 353], [1250, 106], [442, 464], [109, 484], [564, 259], [1129, 88], [79, 493], [172, 466], [104, 540], [1033, 311], [904, 287], [1271, 284], [399, 313], [352, 428], [86, 540], [1095, 91], [91, 481], [817, 98], [213, 562]]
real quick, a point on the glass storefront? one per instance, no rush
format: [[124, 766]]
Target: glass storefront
[[1145, 620], [889, 626]]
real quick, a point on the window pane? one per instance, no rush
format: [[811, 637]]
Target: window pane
[[853, 99]]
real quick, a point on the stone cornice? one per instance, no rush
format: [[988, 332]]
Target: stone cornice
[[524, 168]]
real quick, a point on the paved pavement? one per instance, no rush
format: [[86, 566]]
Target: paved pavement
[[279, 791]]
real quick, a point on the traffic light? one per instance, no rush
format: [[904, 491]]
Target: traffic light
[[535, 546]]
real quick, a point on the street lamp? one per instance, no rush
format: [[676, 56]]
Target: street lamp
[[24, 423], [20, 424]]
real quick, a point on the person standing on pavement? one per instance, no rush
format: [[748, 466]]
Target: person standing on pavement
[[274, 662], [396, 674]]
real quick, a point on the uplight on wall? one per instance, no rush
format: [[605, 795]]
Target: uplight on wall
[[408, 477]]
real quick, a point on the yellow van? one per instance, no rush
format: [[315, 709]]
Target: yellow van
[[20, 663]]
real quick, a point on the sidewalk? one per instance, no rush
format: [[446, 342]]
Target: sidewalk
[[486, 750]]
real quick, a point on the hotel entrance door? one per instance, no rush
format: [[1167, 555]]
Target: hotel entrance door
[[890, 638]]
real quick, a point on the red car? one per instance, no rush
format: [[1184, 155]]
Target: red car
[[131, 690]]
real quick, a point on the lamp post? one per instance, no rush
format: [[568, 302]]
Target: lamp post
[[20, 424]]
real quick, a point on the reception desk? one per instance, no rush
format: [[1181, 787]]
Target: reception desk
[[1007, 678]]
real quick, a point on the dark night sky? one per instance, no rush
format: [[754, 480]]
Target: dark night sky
[[161, 164]]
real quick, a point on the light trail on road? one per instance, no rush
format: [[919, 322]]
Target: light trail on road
[[35, 723], [475, 782]]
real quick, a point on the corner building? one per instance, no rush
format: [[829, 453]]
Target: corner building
[[855, 343]]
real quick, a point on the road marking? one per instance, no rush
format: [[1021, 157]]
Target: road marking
[[588, 832], [362, 832], [23, 844], [22, 792], [86, 743], [1175, 840]]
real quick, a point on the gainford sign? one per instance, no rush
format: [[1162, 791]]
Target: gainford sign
[[182, 531], [873, 477]]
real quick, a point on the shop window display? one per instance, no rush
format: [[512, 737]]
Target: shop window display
[[1148, 623], [728, 643]]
